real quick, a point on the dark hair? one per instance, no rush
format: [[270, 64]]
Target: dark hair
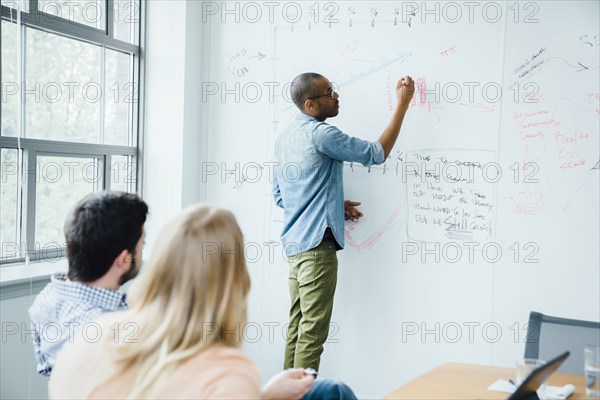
[[303, 87], [99, 228]]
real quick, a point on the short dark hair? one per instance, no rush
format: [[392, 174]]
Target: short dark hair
[[99, 228], [303, 87]]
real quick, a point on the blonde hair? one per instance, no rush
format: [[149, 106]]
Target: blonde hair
[[190, 296]]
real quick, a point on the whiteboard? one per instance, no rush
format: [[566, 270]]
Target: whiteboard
[[487, 207]]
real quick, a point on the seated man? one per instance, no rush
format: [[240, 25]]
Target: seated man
[[105, 235]]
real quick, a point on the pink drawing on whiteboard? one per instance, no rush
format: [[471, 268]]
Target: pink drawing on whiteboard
[[369, 242]]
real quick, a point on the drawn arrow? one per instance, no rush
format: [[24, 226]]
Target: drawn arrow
[[482, 107], [260, 56], [412, 14], [596, 166], [579, 67]]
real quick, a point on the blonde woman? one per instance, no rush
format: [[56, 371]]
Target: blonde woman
[[176, 340], [180, 337]]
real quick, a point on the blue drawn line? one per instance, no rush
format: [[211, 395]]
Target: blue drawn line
[[364, 75]]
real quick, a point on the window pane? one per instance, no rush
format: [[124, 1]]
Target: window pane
[[21, 5], [61, 183], [63, 93], [8, 204], [10, 86], [119, 96], [123, 174], [88, 12], [126, 18]]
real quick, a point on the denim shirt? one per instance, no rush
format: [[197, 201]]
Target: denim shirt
[[308, 182]]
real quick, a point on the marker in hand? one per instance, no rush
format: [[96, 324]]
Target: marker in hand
[[310, 371], [406, 89]]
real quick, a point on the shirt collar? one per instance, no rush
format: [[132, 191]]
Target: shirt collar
[[305, 117], [110, 300]]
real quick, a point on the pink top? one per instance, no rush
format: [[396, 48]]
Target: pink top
[[218, 372]]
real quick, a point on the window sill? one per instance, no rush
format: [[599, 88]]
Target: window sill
[[19, 280], [20, 274]]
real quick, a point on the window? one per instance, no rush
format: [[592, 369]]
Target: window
[[70, 108], [87, 12]]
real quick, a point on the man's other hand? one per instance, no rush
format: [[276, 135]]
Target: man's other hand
[[351, 213]]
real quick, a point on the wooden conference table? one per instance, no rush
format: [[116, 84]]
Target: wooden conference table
[[467, 381]]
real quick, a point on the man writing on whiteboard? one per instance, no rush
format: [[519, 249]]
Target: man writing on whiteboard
[[308, 185]]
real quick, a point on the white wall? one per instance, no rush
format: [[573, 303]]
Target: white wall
[[19, 377], [172, 144]]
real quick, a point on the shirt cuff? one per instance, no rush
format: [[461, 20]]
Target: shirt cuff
[[378, 154]]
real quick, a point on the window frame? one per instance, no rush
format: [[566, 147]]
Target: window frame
[[31, 148]]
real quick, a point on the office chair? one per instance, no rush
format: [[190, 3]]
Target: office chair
[[549, 336]]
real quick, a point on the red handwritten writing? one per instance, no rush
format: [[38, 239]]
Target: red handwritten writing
[[572, 138], [449, 51], [551, 122], [594, 98], [388, 91], [534, 135], [518, 115], [570, 152], [421, 94], [570, 165]]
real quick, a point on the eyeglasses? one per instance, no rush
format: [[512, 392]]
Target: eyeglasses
[[330, 92]]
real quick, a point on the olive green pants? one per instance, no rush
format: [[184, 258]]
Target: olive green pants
[[312, 281]]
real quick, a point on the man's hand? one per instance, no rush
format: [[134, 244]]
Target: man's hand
[[290, 384], [351, 213], [405, 89]]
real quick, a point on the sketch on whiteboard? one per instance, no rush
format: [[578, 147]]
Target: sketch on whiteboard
[[374, 65], [240, 62], [369, 242], [528, 203]]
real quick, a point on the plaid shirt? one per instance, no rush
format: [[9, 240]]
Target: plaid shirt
[[61, 309]]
